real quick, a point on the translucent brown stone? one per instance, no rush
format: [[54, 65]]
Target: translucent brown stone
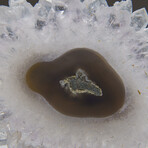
[[79, 83]]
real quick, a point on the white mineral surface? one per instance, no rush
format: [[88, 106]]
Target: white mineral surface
[[44, 32]]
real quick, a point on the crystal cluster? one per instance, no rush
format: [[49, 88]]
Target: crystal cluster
[[46, 31]]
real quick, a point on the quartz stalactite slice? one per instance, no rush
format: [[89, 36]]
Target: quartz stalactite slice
[[79, 83]]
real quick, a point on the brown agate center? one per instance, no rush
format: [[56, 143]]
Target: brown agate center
[[79, 83]]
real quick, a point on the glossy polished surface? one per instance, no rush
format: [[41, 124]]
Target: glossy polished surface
[[79, 83]]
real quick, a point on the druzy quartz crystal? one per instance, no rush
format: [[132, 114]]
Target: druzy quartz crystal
[[78, 83], [46, 32]]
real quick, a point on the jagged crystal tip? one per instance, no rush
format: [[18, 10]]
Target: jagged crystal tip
[[139, 19]]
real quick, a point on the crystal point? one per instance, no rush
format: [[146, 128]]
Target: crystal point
[[124, 5], [139, 19]]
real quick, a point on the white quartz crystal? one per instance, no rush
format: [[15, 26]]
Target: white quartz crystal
[[139, 19], [47, 30]]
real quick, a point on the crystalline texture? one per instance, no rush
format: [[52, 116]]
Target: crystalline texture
[[4, 146], [13, 139], [19, 9], [139, 19], [3, 136], [124, 5], [97, 3], [60, 8], [42, 11], [112, 22], [82, 1], [43, 8], [15, 2], [22, 28], [4, 115], [93, 6], [40, 24]]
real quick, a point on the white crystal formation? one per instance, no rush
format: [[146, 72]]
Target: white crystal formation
[[44, 32]]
